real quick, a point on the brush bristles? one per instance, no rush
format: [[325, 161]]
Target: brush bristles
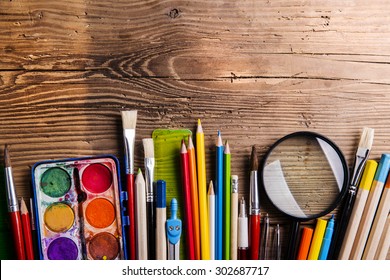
[[129, 119], [367, 138], [7, 160], [148, 147]]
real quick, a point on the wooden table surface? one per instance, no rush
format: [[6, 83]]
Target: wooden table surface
[[256, 70]]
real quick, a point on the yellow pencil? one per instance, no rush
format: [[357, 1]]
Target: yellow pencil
[[317, 239], [203, 213]]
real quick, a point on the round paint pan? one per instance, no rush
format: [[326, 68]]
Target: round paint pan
[[59, 217], [103, 246], [55, 182], [100, 213], [97, 178], [62, 248]]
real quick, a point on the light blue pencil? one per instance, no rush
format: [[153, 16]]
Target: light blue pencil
[[327, 240], [219, 198]]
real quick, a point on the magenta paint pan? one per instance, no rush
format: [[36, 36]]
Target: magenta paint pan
[[78, 207]]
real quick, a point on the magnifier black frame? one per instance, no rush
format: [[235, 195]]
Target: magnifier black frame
[[343, 161]]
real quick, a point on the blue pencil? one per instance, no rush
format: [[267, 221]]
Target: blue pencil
[[219, 198], [327, 240]]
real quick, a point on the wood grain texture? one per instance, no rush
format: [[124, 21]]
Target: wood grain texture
[[256, 70]]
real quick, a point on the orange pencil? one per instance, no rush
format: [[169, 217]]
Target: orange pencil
[[304, 246], [194, 196], [27, 235]]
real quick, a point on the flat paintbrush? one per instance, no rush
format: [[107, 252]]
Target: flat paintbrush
[[150, 203], [129, 121], [361, 157]]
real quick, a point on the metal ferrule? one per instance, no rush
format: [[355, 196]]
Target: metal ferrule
[[149, 178], [234, 185], [360, 159], [12, 200], [254, 201], [129, 137]]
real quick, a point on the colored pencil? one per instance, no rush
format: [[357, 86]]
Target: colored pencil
[[226, 202], [234, 218], [304, 245], [219, 196], [254, 208], [384, 242], [370, 207], [149, 162], [212, 221], [161, 218], [140, 211], [189, 230], [318, 236], [243, 238], [361, 157], [358, 207], [13, 208], [129, 121], [379, 223], [326, 240], [203, 216], [194, 195], [27, 235]]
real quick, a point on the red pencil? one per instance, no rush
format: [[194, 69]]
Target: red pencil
[[13, 209], [185, 171], [25, 215]]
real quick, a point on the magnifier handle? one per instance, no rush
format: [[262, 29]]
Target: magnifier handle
[[292, 247]]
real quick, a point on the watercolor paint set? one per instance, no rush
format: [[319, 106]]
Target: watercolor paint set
[[79, 209]]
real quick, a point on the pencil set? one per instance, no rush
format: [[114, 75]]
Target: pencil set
[[81, 210]]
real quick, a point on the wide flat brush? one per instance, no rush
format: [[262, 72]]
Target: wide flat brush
[[149, 162], [129, 121]]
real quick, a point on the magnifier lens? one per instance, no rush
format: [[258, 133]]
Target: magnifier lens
[[304, 175]]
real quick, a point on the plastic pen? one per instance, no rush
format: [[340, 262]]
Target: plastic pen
[[161, 217], [327, 240]]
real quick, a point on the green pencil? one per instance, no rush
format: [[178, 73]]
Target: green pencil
[[226, 192]]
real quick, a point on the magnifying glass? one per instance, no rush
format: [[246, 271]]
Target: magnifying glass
[[305, 176]]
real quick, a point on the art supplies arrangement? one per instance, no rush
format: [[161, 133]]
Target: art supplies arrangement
[[79, 210], [78, 207]]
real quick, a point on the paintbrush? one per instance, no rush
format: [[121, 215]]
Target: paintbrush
[[361, 157], [150, 203], [254, 208], [13, 208], [129, 121], [81, 197]]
